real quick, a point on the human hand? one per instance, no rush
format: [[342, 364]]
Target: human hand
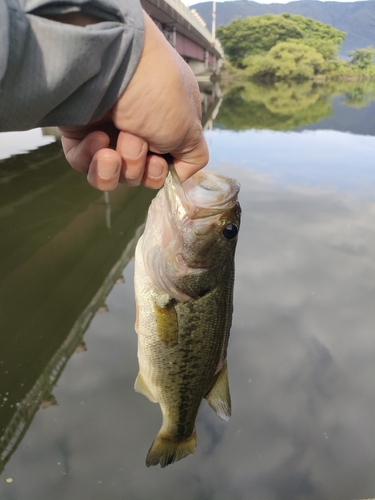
[[159, 112]]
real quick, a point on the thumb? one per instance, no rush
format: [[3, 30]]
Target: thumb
[[190, 162]]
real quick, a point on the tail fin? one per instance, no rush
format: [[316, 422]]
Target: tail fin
[[165, 451]]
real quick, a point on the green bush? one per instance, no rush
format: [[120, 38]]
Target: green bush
[[286, 60]]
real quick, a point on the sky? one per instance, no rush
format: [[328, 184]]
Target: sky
[[193, 2], [13, 143]]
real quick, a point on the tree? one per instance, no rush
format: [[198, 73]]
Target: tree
[[362, 57], [286, 60], [255, 35], [316, 31], [328, 48], [258, 34]]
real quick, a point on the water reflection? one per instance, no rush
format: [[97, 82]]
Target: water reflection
[[286, 106], [303, 341], [301, 353], [63, 246], [211, 99]]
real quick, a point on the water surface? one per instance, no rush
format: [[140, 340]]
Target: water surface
[[301, 353]]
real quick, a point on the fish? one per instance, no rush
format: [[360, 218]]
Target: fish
[[183, 279]]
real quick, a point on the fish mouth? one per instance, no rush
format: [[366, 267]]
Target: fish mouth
[[203, 195], [177, 200]]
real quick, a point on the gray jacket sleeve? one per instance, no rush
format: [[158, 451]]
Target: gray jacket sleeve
[[59, 74]]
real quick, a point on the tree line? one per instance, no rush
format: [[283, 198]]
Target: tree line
[[280, 47]]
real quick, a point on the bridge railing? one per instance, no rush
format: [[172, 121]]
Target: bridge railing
[[188, 15]]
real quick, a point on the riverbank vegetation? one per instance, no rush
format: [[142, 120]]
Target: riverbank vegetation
[[273, 48]]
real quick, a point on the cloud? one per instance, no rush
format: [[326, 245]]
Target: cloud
[[13, 143]]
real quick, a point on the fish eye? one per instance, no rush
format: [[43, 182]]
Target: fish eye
[[230, 231]]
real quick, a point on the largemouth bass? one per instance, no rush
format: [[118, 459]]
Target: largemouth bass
[[184, 276]]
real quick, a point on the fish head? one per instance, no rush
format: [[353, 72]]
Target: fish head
[[205, 214], [197, 226]]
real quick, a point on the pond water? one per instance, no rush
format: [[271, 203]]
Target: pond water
[[301, 355]]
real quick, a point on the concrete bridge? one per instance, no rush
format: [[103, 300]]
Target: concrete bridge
[[187, 34]]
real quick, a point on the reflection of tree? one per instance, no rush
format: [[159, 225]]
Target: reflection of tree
[[282, 98], [284, 105], [278, 107]]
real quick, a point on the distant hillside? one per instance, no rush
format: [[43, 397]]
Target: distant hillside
[[357, 19]]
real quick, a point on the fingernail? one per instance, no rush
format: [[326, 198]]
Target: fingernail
[[107, 167], [131, 145], [155, 170]]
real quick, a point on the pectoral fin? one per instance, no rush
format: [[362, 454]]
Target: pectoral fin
[[219, 397], [167, 323], [141, 387]]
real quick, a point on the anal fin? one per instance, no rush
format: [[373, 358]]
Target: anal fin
[[219, 396], [141, 387]]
